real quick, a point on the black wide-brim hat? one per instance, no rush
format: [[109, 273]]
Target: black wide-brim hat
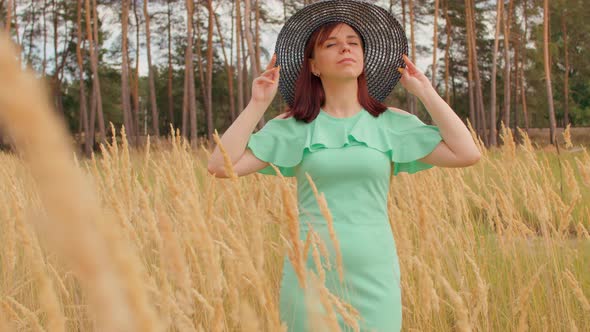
[[383, 38]]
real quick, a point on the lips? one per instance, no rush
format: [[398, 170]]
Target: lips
[[346, 59]]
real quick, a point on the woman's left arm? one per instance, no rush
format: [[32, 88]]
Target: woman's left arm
[[457, 148]]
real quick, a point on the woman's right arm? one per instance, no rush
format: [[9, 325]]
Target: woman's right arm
[[235, 138], [234, 141]]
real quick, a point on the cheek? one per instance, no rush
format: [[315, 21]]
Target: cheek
[[323, 59]]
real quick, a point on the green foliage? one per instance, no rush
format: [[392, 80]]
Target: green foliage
[[573, 13]]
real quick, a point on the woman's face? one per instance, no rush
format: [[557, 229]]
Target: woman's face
[[342, 43]]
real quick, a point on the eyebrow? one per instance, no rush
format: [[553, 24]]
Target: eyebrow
[[349, 36]]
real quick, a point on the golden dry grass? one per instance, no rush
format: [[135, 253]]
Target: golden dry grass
[[139, 240]]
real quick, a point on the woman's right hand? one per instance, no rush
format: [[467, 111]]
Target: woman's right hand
[[264, 87]]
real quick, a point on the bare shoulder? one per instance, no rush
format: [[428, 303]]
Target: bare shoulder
[[281, 116], [397, 110]]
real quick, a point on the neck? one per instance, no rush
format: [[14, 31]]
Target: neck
[[341, 97]]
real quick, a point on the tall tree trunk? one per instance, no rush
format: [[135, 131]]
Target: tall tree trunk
[[412, 98], [251, 49], [125, 97], [92, 121], [135, 77], [566, 79], [64, 57], [257, 34], [185, 110], [515, 79], [507, 84], [233, 112], [493, 131], [32, 33], [154, 106], [434, 42], [404, 14], [190, 91], [209, 100], [470, 81], [229, 70], [55, 79], [246, 77], [404, 21], [44, 61], [83, 104], [471, 87], [454, 85], [552, 123], [96, 103], [202, 84], [515, 73], [479, 105], [170, 97], [198, 48], [447, 50], [99, 109], [8, 22], [239, 56], [18, 39], [522, 72], [15, 16], [93, 94], [282, 104]]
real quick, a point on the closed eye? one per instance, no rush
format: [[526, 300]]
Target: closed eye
[[334, 44]]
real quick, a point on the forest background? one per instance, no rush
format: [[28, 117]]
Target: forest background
[[152, 64]]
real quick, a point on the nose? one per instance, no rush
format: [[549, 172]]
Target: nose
[[346, 47]]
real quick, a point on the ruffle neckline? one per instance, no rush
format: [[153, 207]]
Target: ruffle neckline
[[403, 137], [352, 117]]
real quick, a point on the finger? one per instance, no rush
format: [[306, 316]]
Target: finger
[[266, 79], [267, 73], [276, 73], [410, 64], [404, 72], [272, 62], [270, 72], [407, 60]]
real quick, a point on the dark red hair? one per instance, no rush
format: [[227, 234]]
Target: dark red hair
[[309, 92]]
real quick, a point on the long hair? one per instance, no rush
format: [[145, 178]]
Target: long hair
[[309, 92]]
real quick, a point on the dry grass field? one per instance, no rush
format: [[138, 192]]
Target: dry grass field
[[147, 240], [500, 246]]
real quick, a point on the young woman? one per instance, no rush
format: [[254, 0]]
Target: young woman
[[337, 61]]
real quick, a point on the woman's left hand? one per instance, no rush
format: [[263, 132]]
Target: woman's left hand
[[413, 79]]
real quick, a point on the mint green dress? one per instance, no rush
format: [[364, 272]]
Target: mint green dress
[[350, 160]]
